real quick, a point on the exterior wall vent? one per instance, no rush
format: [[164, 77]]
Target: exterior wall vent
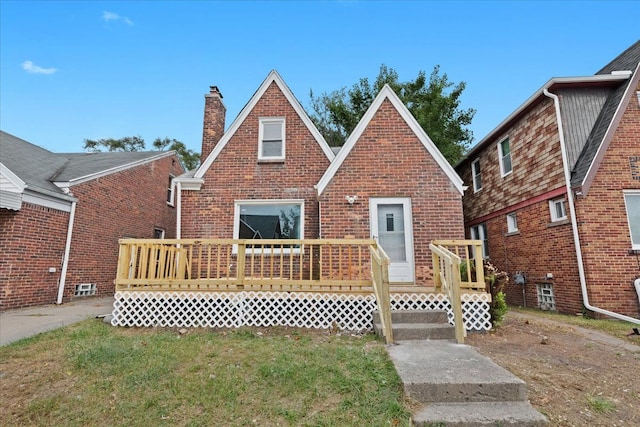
[[85, 289]]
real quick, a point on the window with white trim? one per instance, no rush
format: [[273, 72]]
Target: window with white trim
[[512, 223], [269, 219], [632, 204], [558, 210], [158, 233], [271, 143], [479, 232], [546, 299], [504, 154], [170, 190], [477, 175]]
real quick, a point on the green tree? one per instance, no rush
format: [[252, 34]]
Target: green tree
[[190, 159], [434, 102]]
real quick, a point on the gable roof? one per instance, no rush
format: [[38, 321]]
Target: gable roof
[[388, 93], [610, 115], [273, 77], [50, 174], [620, 76]]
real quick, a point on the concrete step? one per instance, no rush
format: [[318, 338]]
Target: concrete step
[[479, 414], [418, 331], [415, 316], [446, 372]]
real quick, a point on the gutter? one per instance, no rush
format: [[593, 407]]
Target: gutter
[[67, 249], [574, 221]]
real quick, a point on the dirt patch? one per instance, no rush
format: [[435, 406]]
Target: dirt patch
[[573, 378]]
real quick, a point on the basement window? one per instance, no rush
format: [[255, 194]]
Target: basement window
[[546, 300], [85, 289]]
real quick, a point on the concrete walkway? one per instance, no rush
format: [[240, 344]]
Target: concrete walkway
[[26, 322]]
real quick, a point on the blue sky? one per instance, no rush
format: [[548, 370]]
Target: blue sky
[[75, 70]]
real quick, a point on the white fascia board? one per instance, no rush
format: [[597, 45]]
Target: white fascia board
[[388, 93], [540, 93], [188, 183], [18, 185], [608, 136], [272, 77], [99, 174], [42, 199]]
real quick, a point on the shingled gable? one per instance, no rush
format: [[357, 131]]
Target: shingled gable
[[388, 93], [273, 77]]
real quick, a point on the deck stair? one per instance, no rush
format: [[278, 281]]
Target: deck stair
[[455, 385]]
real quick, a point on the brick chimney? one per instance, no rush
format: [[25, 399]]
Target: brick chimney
[[214, 112]]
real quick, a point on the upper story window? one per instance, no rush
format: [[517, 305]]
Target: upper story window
[[512, 223], [558, 210], [632, 203], [479, 232], [477, 175], [170, 190], [271, 145], [504, 153]]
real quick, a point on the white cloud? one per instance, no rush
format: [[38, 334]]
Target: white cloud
[[112, 16], [32, 68]]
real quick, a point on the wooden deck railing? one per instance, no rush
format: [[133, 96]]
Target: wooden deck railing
[[380, 273], [448, 267], [471, 266], [226, 265]]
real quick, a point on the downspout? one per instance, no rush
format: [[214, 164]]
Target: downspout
[[179, 210], [67, 249], [574, 221]]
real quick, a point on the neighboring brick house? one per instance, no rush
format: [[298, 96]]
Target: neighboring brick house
[[61, 216], [555, 193], [389, 180]]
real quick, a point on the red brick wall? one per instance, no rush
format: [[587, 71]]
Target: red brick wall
[[540, 247], [603, 225], [32, 240], [537, 248], [389, 161], [130, 203], [236, 174], [536, 160]]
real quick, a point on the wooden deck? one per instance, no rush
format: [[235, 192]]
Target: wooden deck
[[356, 267]]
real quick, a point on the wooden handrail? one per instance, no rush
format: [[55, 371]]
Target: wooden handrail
[[380, 275], [447, 265]]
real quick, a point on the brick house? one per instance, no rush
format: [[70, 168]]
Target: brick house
[[61, 216], [554, 192], [389, 180]]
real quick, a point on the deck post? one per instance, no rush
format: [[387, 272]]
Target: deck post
[[242, 250]]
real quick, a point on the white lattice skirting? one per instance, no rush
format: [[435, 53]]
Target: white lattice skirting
[[305, 310]]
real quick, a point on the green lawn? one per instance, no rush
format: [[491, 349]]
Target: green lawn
[[98, 375]]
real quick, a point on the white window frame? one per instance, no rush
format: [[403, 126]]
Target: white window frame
[[479, 232], [633, 217], [266, 202], [272, 120], [502, 156], [171, 191], [159, 230], [554, 212], [476, 172], [512, 222]]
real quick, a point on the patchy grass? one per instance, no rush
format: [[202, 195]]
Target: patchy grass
[[94, 374], [600, 404], [616, 328]]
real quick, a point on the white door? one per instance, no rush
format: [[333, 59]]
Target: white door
[[391, 227]]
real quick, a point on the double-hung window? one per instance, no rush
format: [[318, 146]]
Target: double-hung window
[[477, 175], [504, 154], [558, 210], [170, 191], [269, 219], [632, 203], [479, 232], [271, 143], [512, 223]]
